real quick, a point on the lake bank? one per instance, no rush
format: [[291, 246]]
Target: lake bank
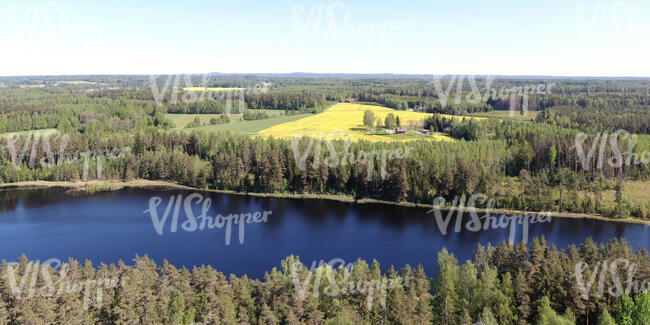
[[115, 225], [106, 185]]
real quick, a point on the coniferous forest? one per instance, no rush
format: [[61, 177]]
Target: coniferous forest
[[558, 161], [502, 284], [325, 162], [123, 131]]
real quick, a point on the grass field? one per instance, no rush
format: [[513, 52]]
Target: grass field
[[409, 135], [181, 120], [80, 82], [633, 191], [248, 127], [347, 119], [531, 115], [210, 89]]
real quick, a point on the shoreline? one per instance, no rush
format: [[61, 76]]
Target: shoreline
[[93, 186]]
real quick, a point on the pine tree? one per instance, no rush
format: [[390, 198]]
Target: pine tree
[[399, 181], [399, 304], [552, 155], [606, 319], [547, 316], [487, 317], [619, 197], [4, 311], [522, 292], [177, 309], [569, 315], [446, 298], [421, 284], [641, 314], [506, 303], [466, 319], [623, 311], [267, 317]]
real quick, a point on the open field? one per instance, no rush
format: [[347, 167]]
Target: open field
[[182, 120], [633, 191], [409, 135], [80, 82], [347, 119], [210, 89], [272, 112], [248, 127], [530, 116]]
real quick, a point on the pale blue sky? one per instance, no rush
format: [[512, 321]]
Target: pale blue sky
[[554, 37]]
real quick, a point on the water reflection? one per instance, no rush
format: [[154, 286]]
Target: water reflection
[[109, 226]]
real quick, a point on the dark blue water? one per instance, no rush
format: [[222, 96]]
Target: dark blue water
[[108, 227]]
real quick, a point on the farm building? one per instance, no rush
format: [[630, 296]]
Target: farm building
[[400, 129]]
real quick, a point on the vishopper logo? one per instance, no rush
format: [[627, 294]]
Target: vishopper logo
[[617, 157], [513, 94], [345, 283], [616, 287], [610, 20], [335, 159], [202, 221], [173, 89], [489, 220], [336, 20], [51, 158], [23, 283]]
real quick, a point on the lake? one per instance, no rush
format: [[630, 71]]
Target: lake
[[109, 226]]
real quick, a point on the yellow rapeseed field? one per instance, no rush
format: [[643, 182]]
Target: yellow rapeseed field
[[347, 119]]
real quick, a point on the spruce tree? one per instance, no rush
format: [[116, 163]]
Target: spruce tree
[[623, 311], [606, 319], [487, 317], [641, 314]]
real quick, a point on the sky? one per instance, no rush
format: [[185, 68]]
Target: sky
[[553, 37]]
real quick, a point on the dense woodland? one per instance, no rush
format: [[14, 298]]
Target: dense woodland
[[526, 165], [241, 163], [537, 162], [500, 285]]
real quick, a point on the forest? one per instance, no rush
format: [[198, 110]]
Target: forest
[[587, 151], [503, 284], [548, 174], [538, 164]]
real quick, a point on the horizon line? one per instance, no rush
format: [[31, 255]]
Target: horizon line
[[549, 76]]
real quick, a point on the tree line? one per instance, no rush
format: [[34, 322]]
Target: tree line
[[503, 284], [541, 158]]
